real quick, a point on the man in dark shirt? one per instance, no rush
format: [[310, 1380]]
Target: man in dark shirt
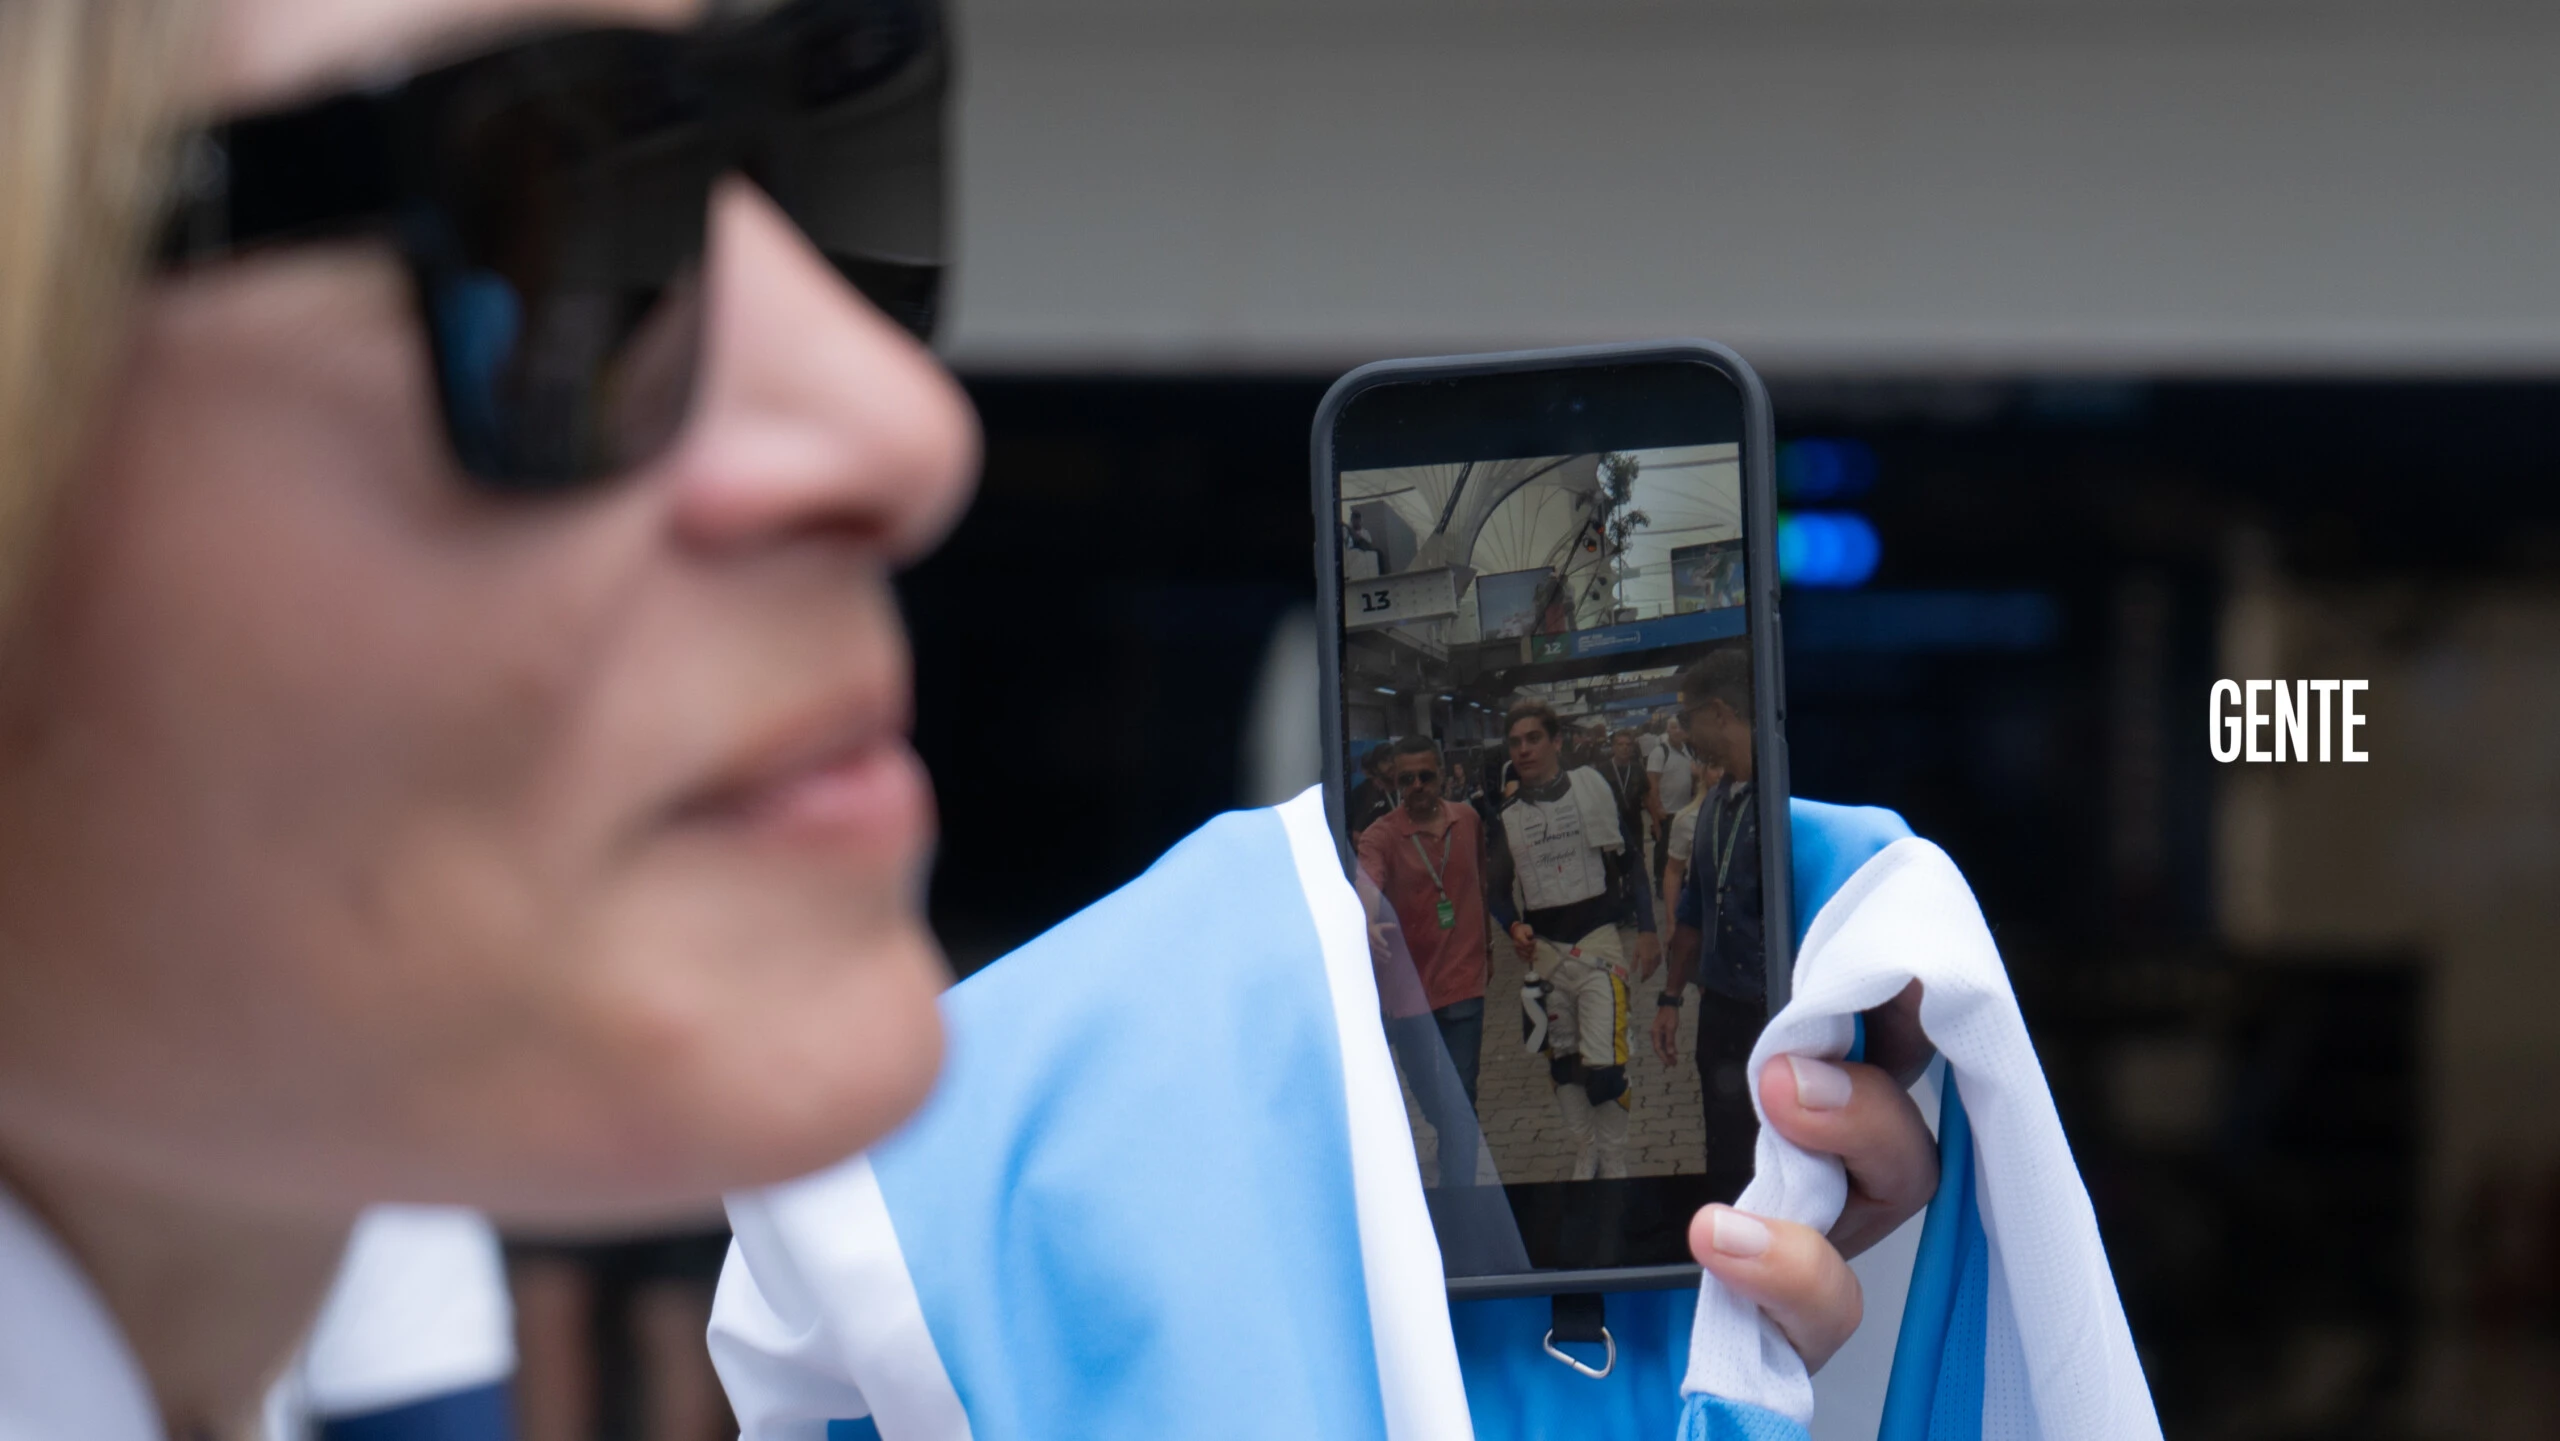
[[1376, 794], [1717, 939], [1627, 776]]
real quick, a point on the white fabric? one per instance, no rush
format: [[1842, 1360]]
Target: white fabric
[[1849, 1390], [1684, 834], [790, 1353], [419, 1309], [1419, 1386], [2006, 1416], [1672, 778], [1608, 1141], [1573, 1106], [65, 1371], [2061, 1364], [1584, 1015], [1556, 845]]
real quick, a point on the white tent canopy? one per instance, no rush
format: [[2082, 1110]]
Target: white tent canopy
[[1493, 517], [1449, 508]]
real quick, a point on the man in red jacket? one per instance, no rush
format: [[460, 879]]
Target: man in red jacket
[[1426, 858]]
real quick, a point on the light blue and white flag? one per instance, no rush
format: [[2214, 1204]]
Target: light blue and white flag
[[2012, 1327], [1165, 1189]]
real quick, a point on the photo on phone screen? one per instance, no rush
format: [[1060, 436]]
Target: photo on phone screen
[[1546, 686]]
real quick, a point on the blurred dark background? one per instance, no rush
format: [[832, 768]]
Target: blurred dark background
[[2252, 1075]]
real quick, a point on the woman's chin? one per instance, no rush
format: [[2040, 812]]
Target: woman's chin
[[829, 1089], [676, 1102], [815, 1078]]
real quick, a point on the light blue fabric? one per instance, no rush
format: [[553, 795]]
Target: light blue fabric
[[1712, 1418], [1936, 1392], [1516, 1392], [1158, 1077], [1515, 1389], [1829, 843]]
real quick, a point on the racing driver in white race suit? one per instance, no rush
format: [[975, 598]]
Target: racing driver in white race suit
[[1565, 880]]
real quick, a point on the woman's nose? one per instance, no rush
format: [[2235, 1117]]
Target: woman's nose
[[813, 411]]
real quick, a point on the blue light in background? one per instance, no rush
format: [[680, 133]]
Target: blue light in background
[[1816, 470], [1829, 549], [1873, 621]]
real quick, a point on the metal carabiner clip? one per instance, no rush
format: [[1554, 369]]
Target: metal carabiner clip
[[1606, 1366]]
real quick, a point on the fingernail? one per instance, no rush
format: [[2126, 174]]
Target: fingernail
[[1736, 1234], [1820, 1085]]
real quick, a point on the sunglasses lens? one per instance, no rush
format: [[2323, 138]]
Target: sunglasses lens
[[560, 254], [856, 155], [546, 389], [560, 244]]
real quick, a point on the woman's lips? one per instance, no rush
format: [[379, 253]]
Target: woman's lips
[[868, 791]]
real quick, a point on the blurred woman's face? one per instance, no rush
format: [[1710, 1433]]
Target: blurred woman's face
[[362, 835]]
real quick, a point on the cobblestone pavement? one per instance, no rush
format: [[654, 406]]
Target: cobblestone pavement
[[1517, 1102]]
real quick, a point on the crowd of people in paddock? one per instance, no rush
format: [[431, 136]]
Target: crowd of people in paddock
[[1601, 856]]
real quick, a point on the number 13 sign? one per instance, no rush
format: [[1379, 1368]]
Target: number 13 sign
[[1398, 599]]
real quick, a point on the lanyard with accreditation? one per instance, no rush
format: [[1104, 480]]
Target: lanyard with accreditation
[[1721, 844], [1448, 908]]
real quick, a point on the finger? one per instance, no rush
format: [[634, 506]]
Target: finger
[[1857, 1113], [1788, 1271], [1666, 1037]]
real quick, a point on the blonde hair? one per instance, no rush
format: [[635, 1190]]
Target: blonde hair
[[88, 90]]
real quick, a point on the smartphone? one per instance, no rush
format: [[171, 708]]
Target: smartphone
[[1553, 686]]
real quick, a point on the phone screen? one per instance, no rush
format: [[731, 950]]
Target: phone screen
[[1551, 772]]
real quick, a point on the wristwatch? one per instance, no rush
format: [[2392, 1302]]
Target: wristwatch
[[1668, 998]]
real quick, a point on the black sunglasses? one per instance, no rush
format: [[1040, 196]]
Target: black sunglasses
[[1411, 779], [552, 200]]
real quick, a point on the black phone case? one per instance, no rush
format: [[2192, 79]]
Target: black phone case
[[1768, 674]]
